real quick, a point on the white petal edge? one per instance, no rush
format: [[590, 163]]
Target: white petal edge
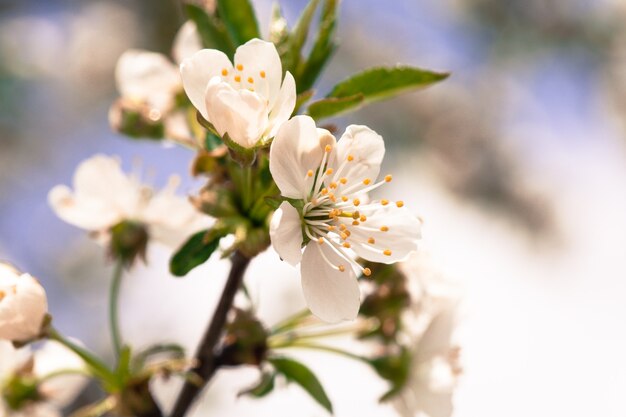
[[285, 103], [331, 295], [366, 147], [286, 233], [255, 56]]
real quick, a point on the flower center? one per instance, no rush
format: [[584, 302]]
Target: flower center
[[333, 216], [243, 80]]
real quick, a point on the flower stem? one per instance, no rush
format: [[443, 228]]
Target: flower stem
[[326, 348], [205, 355], [247, 185], [291, 322], [114, 296]]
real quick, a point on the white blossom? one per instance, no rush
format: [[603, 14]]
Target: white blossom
[[248, 100], [104, 196], [23, 305], [331, 180], [54, 392]]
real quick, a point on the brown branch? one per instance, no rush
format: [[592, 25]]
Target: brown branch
[[205, 355]]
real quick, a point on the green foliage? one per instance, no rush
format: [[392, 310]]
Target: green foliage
[[212, 31], [334, 106], [263, 387], [240, 20], [195, 252], [395, 368], [298, 37], [298, 373]]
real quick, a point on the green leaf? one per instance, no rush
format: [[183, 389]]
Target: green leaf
[[240, 20], [123, 364], [379, 83], [299, 35], [194, 252], [212, 32], [302, 99], [323, 48], [334, 106], [298, 373], [262, 388]]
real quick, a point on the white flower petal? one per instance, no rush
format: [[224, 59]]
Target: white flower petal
[[366, 147], [296, 149], [437, 338], [404, 231], [260, 61], [286, 233], [187, 42], [197, 71], [53, 357], [284, 105], [23, 306], [147, 77], [240, 113], [331, 295]]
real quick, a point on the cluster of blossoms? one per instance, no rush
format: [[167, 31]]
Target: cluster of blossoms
[[274, 178]]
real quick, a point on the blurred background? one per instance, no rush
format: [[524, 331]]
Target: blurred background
[[516, 163]]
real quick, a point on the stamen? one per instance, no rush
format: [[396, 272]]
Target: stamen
[[333, 185], [324, 191], [388, 178], [384, 202], [367, 272], [262, 74], [367, 181], [356, 201], [346, 245], [343, 235], [384, 229], [344, 198], [387, 252], [342, 268], [331, 228], [399, 203], [2, 295], [309, 173], [355, 223], [350, 158], [363, 218], [371, 240], [342, 227], [329, 171], [237, 78], [320, 241], [343, 180], [328, 148], [224, 72], [251, 80], [239, 67]]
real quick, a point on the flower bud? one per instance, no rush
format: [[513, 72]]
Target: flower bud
[[128, 241], [23, 305], [136, 120]]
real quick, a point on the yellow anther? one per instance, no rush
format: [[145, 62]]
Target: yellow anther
[[343, 180], [224, 72], [367, 181], [363, 218], [332, 197], [341, 268], [333, 185], [356, 215], [239, 67], [367, 272], [237, 78], [350, 158], [328, 148], [329, 171], [250, 80], [262, 74], [348, 232], [388, 178], [387, 252], [342, 227], [320, 240], [355, 223], [344, 198], [343, 235], [331, 227], [384, 202], [309, 173], [384, 229], [371, 240], [324, 191], [356, 201], [346, 245], [2, 295], [399, 203]]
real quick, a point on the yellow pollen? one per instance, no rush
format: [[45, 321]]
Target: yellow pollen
[[346, 245], [343, 235], [367, 272], [328, 148], [356, 215], [333, 185], [356, 201], [343, 180], [371, 240], [224, 72], [348, 232], [324, 191], [332, 197], [320, 240], [251, 89], [363, 218], [237, 78], [367, 181], [350, 158], [239, 67], [262, 74], [384, 202], [331, 227], [355, 223], [388, 178], [2, 295], [344, 198], [251, 80], [309, 173], [399, 203], [387, 252], [384, 229], [342, 227], [341, 268], [329, 171]]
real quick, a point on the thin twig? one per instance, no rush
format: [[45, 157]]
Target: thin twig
[[205, 355]]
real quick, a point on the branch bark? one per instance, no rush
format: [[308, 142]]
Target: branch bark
[[205, 355]]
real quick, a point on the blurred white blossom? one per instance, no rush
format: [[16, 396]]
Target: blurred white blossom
[[23, 305], [332, 179]]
